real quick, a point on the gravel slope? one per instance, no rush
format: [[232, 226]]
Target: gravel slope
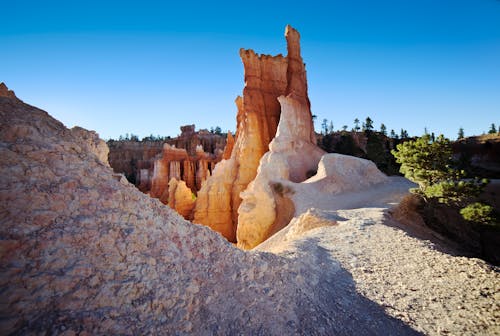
[[398, 268]]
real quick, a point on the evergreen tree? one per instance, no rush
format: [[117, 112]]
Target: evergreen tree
[[461, 133], [429, 164], [403, 134], [493, 129], [344, 128], [393, 134], [356, 124], [368, 125], [330, 127], [324, 126], [383, 129]]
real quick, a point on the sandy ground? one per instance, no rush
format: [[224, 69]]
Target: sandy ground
[[403, 269]]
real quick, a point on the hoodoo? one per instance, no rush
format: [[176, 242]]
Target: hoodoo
[[266, 79]]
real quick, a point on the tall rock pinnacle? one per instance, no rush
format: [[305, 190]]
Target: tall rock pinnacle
[[266, 79]]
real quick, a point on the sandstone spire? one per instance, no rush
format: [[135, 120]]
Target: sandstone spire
[[266, 79]]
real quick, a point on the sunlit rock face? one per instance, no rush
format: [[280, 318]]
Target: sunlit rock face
[[292, 156], [266, 79], [180, 198], [151, 164]]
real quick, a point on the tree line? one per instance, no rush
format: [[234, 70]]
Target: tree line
[[365, 126], [132, 137]]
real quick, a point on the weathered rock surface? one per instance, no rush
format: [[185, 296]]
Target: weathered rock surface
[[85, 252], [5, 92], [137, 159], [134, 159], [177, 163], [266, 79], [180, 198], [292, 157]]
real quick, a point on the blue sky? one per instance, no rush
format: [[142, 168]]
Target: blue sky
[[147, 67]]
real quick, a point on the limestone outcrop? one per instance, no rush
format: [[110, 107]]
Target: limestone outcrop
[[266, 79]]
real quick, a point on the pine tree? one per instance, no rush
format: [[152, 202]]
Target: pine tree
[[461, 133], [493, 129], [393, 134], [383, 129], [330, 128], [368, 125], [429, 164], [356, 124], [324, 126]]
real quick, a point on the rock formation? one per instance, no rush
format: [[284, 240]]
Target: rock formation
[[5, 92], [83, 252], [292, 157], [176, 163], [266, 79], [180, 198], [150, 165], [134, 159]]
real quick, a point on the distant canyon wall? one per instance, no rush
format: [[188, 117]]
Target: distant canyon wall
[[151, 165]]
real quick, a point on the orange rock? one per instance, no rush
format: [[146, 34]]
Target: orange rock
[[5, 92], [180, 198], [229, 146], [266, 79]]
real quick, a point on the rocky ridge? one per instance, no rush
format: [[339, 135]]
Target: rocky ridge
[[84, 252]]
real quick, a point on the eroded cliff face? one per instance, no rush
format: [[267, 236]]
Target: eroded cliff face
[[266, 79], [135, 160], [176, 163], [150, 165]]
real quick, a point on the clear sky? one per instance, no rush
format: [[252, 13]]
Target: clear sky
[[147, 67]]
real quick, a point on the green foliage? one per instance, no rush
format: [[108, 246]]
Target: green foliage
[[356, 124], [455, 192], [383, 129], [479, 213], [425, 162], [368, 125], [493, 129], [461, 133], [429, 164]]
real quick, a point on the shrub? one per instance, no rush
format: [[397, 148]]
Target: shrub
[[478, 213], [429, 164]]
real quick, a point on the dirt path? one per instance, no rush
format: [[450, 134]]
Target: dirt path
[[434, 292]]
